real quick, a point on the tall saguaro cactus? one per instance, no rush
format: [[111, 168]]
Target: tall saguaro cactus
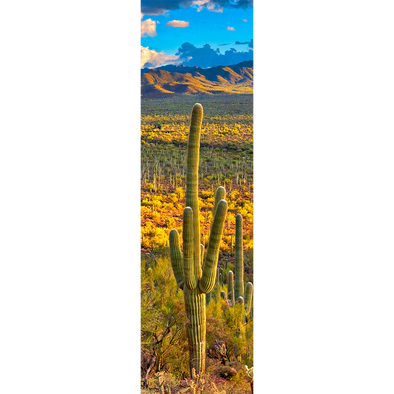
[[195, 278]]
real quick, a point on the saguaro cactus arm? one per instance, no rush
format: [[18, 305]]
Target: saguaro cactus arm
[[188, 241], [176, 257], [207, 281], [248, 297], [193, 155], [219, 195]]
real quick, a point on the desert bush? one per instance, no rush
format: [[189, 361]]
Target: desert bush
[[163, 323]]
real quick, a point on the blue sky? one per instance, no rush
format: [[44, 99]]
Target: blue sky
[[223, 24]]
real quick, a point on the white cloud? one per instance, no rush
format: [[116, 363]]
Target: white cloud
[[156, 59], [207, 3], [244, 20], [230, 28], [177, 24], [148, 27]]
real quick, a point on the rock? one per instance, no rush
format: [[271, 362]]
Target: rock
[[226, 372]]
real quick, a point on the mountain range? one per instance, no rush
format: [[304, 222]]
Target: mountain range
[[172, 79]]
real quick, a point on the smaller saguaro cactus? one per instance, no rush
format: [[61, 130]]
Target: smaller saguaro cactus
[[248, 297], [230, 287], [236, 290]]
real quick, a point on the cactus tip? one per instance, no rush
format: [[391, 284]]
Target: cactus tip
[[223, 202], [197, 110]]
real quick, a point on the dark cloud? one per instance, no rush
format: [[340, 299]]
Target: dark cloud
[[156, 7], [222, 45], [206, 56], [249, 43]]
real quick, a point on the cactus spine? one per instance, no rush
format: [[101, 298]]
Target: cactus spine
[[191, 275]]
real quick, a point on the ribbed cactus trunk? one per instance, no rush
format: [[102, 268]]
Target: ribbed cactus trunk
[[195, 279], [193, 157], [239, 258]]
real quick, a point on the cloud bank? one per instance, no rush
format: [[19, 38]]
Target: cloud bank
[[190, 55], [150, 58], [158, 7]]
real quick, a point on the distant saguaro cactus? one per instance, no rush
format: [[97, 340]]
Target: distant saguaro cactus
[[191, 275]]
